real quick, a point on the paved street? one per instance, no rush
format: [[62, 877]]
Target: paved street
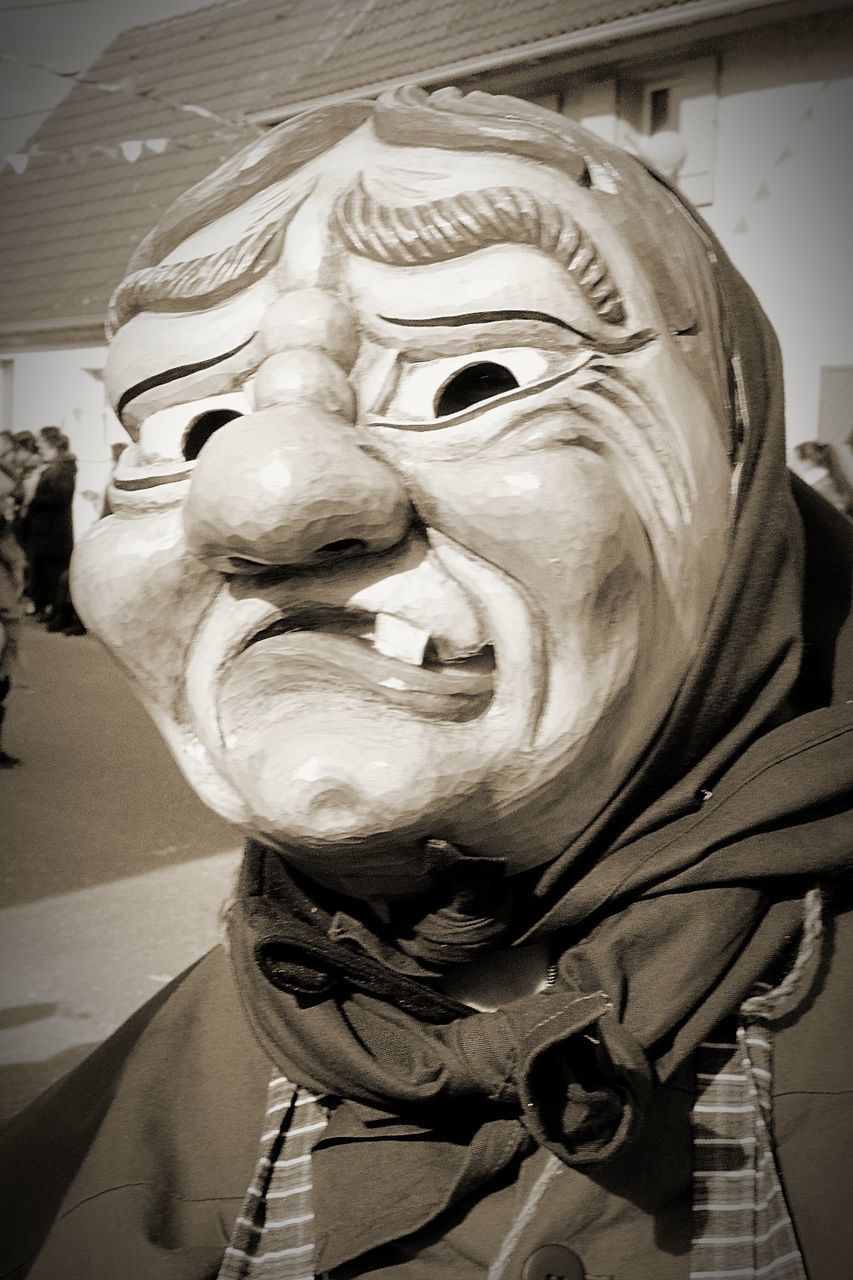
[[113, 874]]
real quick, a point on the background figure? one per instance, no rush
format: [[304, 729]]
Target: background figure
[[23, 464], [64, 616], [46, 528], [26, 464], [8, 471], [11, 610], [820, 468]]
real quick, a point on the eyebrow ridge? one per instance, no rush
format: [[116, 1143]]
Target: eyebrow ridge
[[608, 346], [196, 282], [172, 375], [482, 317]]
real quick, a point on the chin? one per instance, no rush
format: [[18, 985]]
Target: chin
[[321, 788]]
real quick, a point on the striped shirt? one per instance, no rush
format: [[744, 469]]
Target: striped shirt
[[273, 1238], [742, 1229]]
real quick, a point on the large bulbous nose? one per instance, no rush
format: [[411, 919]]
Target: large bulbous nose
[[290, 485]]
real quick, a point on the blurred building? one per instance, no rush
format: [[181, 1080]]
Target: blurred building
[[746, 104]]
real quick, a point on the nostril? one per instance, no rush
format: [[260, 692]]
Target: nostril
[[341, 548], [202, 428]]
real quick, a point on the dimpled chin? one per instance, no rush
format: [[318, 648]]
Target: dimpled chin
[[315, 778]]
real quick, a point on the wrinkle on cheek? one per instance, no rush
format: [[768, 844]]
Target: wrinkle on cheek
[[665, 453], [548, 519], [562, 529]]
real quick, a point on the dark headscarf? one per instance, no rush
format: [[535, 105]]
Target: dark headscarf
[[664, 913]]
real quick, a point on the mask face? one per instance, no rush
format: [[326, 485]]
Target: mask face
[[422, 519]]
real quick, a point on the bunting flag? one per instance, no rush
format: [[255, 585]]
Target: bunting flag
[[131, 150]]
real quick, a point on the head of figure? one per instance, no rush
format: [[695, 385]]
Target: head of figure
[[7, 443], [26, 444], [428, 496], [52, 443]]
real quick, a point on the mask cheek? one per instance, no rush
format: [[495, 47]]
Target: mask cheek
[[551, 519], [142, 595]]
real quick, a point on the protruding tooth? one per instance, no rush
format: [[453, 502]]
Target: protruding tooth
[[396, 638], [446, 650]]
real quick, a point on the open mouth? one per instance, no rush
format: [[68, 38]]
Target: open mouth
[[382, 654]]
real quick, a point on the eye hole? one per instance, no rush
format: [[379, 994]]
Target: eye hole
[[202, 428], [471, 385]]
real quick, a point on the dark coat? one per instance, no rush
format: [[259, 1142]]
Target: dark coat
[[136, 1165], [46, 528]]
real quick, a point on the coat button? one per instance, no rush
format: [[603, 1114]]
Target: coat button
[[553, 1262]]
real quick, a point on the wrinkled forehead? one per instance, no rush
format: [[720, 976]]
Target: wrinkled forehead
[[397, 176], [632, 253], [296, 175]]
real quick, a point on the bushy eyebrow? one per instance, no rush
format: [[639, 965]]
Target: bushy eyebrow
[[197, 282], [437, 230]]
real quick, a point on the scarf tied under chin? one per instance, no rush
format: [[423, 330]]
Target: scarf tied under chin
[[444, 1096], [386, 1038]]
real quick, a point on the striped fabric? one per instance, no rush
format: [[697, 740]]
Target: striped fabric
[[742, 1229], [741, 1226], [273, 1238]]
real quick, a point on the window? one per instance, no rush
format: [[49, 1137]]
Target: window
[[667, 113], [669, 116]]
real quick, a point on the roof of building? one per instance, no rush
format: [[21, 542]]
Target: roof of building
[[71, 220]]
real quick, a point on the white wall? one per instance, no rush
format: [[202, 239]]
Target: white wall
[[55, 387], [783, 194], [774, 136]]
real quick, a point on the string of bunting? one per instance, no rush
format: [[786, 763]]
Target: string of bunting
[[131, 148], [345, 18]]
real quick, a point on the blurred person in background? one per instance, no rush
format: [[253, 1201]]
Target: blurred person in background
[[26, 464], [23, 464], [7, 455], [817, 464], [26, 461], [11, 611], [8, 469], [47, 531]]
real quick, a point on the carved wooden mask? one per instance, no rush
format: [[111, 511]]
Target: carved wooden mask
[[428, 496]]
